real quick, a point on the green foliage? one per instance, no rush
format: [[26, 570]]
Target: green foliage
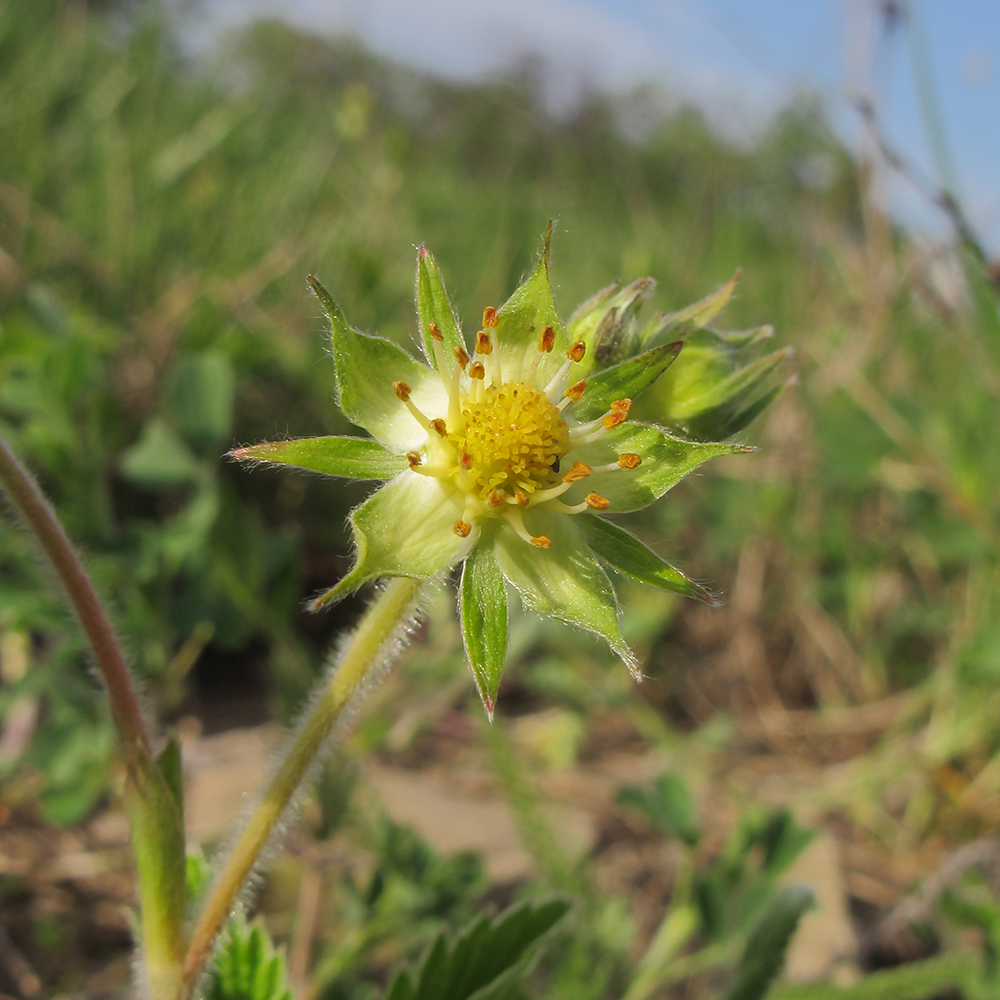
[[484, 960], [668, 805], [247, 966], [765, 949]]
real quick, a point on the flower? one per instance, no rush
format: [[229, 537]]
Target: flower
[[505, 454]]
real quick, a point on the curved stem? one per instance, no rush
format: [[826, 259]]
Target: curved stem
[[368, 648], [45, 526]]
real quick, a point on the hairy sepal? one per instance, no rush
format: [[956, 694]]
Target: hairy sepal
[[349, 457], [484, 614]]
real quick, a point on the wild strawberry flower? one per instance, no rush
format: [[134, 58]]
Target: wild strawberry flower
[[505, 455]]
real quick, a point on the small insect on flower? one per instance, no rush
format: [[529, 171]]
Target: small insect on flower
[[504, 455]]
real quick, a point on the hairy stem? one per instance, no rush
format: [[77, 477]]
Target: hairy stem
[[43, 524], [367, 649]]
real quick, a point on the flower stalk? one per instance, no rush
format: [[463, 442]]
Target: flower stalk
[[368, 649]]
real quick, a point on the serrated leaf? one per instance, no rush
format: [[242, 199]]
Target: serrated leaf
[[482, 959], [434, 306], [484, 615], [628, 379], [667, 804], [350, 457], [764, 954], [365, 369], [247, 966], [523, 317], [628, 555]]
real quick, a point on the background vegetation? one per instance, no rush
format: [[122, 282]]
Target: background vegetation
[[158, 213]]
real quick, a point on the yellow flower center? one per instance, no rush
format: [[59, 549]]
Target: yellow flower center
[[512, 439]]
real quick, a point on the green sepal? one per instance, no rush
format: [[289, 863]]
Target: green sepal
[[352, 458], [666, 460], [153, 802], [680, 324], [628, 379], [623, 551], [484, 614], [523, 317], [764, 953], [405, 529], [607, 324], [434, 306], [564, 581], [715, 389], [365, 369]]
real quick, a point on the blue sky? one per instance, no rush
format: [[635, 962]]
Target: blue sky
[[739, 60]]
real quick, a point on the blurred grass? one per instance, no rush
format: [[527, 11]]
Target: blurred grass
[[158, 213]]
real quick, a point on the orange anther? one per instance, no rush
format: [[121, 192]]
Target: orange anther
[[462, 529], [490, 317], [483, 343], [621, 406], [614, 418], [629, 461], [413, 457], [465, 459], [476, 370], [596, 502], [439, 426], [435, 331], [522, 498], [577, 351], [402, 390], [579, 471], [575, 391], [462, 356], [547, 340], [541, 542], [495, 499]]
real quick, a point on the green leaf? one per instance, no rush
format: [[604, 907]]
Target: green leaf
[[247, 966], [679, 324], [523, 317], [564, 581], [405, 529], [765, 949], [159, 459], [484, 614], [353, 458], [666, 461], [628, 555], [202, 397], [667, 805], [366, 368], [484, 961], [626, 380], [433, 306], [607, 323]]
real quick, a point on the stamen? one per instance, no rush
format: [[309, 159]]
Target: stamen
[[495, 499], [435, 331], [440, 426], [403, 391], [462, 357], [483, 343], [596, 502], [617, 414], [577, 351], [413, 457], [516, 519], [572, 393], [462, 529], [629, 461], [547, 340], [476, 370], [464, 460], [542, 542], [579, 471], [490, 317]]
